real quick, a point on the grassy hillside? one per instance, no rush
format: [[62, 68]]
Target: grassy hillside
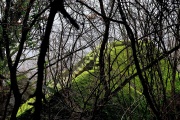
[[129, 102]]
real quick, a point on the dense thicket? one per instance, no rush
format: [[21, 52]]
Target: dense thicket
[[132, 69]]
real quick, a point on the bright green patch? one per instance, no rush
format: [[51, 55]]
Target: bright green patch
[[119, 65], [24, 107]]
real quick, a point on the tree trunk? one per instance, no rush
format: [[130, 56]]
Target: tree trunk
[[41, 62], [16, 92]]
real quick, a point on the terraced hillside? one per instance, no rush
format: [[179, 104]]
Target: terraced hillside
[[120, 68], [125, 99]]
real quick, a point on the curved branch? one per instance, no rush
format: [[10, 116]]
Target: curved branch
[[146, 91]]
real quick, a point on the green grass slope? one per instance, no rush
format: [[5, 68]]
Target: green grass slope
[[129, 103]]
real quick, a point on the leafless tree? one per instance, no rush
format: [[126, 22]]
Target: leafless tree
[[55, 36]]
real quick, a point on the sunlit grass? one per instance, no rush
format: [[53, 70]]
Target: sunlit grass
[[24, 107]]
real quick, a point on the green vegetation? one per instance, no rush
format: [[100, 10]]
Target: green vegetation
[[129, 102], [24, 107], [119, 66]]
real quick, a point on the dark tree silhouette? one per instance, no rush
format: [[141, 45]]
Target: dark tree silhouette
[[57, 5]]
